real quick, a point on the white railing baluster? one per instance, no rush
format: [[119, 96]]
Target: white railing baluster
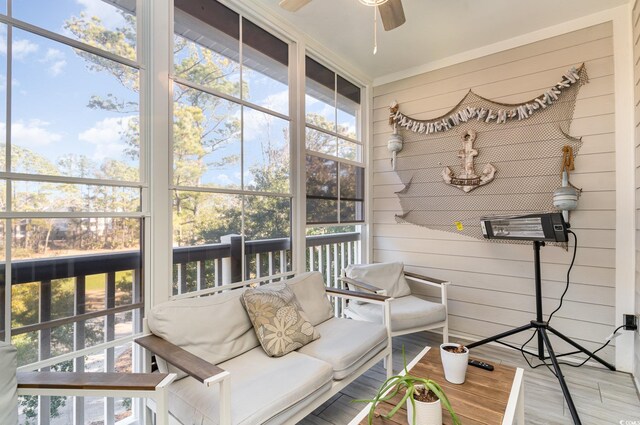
[[283, 261], [258, 266], [311, 258], [200, 274], [338, 303]]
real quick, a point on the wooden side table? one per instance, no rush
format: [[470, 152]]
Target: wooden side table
[[92, 384], [486, 397]]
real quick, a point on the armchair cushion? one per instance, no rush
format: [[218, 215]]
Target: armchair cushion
[[260, 386], [8, 384], [346, 344], [387, 276], [278, 319], [406, 312]]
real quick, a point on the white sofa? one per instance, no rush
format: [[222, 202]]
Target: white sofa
[[231, 379]]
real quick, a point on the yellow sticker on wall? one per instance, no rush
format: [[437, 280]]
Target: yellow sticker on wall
[[459, 225]]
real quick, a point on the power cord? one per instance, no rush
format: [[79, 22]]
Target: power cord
[[566, 288], [532, 366]]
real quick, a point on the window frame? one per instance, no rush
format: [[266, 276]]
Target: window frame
[[243, 103], [360, 130], [8, 216]]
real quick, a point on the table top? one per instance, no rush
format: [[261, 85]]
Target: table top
[[482, 399]]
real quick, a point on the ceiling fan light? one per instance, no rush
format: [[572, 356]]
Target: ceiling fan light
[[373, 2]]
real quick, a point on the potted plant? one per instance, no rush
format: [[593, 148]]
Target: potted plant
[[424, 399], [455, 358]]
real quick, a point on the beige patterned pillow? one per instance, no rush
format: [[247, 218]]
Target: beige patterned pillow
[[278, 319]]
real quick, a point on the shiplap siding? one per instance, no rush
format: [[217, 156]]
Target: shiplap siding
[[492, 284], [636, 76]]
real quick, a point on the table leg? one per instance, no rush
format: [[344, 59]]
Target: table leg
[[520, 405]]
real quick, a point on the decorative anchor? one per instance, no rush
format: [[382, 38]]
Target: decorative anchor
[[468, 180]]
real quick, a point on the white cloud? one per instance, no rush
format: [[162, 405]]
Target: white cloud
[[278, 102], [32, 134], [106, 136], [23, 48], [56, 61], [223, 179], [105, 12], [57, 67], [53, 54]]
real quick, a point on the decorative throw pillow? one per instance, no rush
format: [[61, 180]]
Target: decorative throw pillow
[[278, 319]]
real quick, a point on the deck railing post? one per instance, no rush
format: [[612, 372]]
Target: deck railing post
[[232, 265]]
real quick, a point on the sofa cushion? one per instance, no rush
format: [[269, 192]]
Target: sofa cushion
[[346, 344], [406, 312], [278, 319], [387, 276], [310, 292], [261, 387], [215, 328], [8, 384]]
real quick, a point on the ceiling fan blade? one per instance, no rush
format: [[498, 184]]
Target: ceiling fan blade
[[293, 5], [392, 14]]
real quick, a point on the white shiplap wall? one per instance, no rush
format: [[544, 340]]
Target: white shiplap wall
[[493, 287], [636, 77]]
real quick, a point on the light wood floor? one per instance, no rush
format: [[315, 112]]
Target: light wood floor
[[601, 396]]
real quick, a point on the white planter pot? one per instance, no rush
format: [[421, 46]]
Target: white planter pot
[[426, 413], [454, 364]]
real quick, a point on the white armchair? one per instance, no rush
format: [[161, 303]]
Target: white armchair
[[410, 310], [90, 384], [8, 384]]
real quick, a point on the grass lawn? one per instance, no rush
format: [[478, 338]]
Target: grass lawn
[[96, 282]]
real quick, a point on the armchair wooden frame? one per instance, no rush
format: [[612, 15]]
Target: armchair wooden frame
[[414, 280], [209, 374]]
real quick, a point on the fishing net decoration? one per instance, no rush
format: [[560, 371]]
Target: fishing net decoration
[[527, 155]]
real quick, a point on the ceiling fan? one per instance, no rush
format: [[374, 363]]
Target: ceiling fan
[[391, 11]]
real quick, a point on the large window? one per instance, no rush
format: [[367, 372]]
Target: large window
[[71, 219], [335, 171], [231, 149]]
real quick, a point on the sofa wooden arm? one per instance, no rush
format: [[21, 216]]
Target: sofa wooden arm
[[361, 284], [92, 381], [425, 279], [193, 365], [364, 296]]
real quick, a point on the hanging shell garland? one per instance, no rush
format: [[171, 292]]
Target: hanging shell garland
[[499, 116]]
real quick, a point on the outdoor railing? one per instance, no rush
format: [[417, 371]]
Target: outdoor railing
[[195, 268]]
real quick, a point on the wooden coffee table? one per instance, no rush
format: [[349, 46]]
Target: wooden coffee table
[[495, 397]]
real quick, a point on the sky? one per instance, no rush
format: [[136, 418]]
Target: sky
[[51, 87]]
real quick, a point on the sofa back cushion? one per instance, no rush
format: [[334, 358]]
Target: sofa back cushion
[[215, 328], [312, 297]]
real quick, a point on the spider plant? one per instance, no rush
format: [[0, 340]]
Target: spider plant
[[394, 385]]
